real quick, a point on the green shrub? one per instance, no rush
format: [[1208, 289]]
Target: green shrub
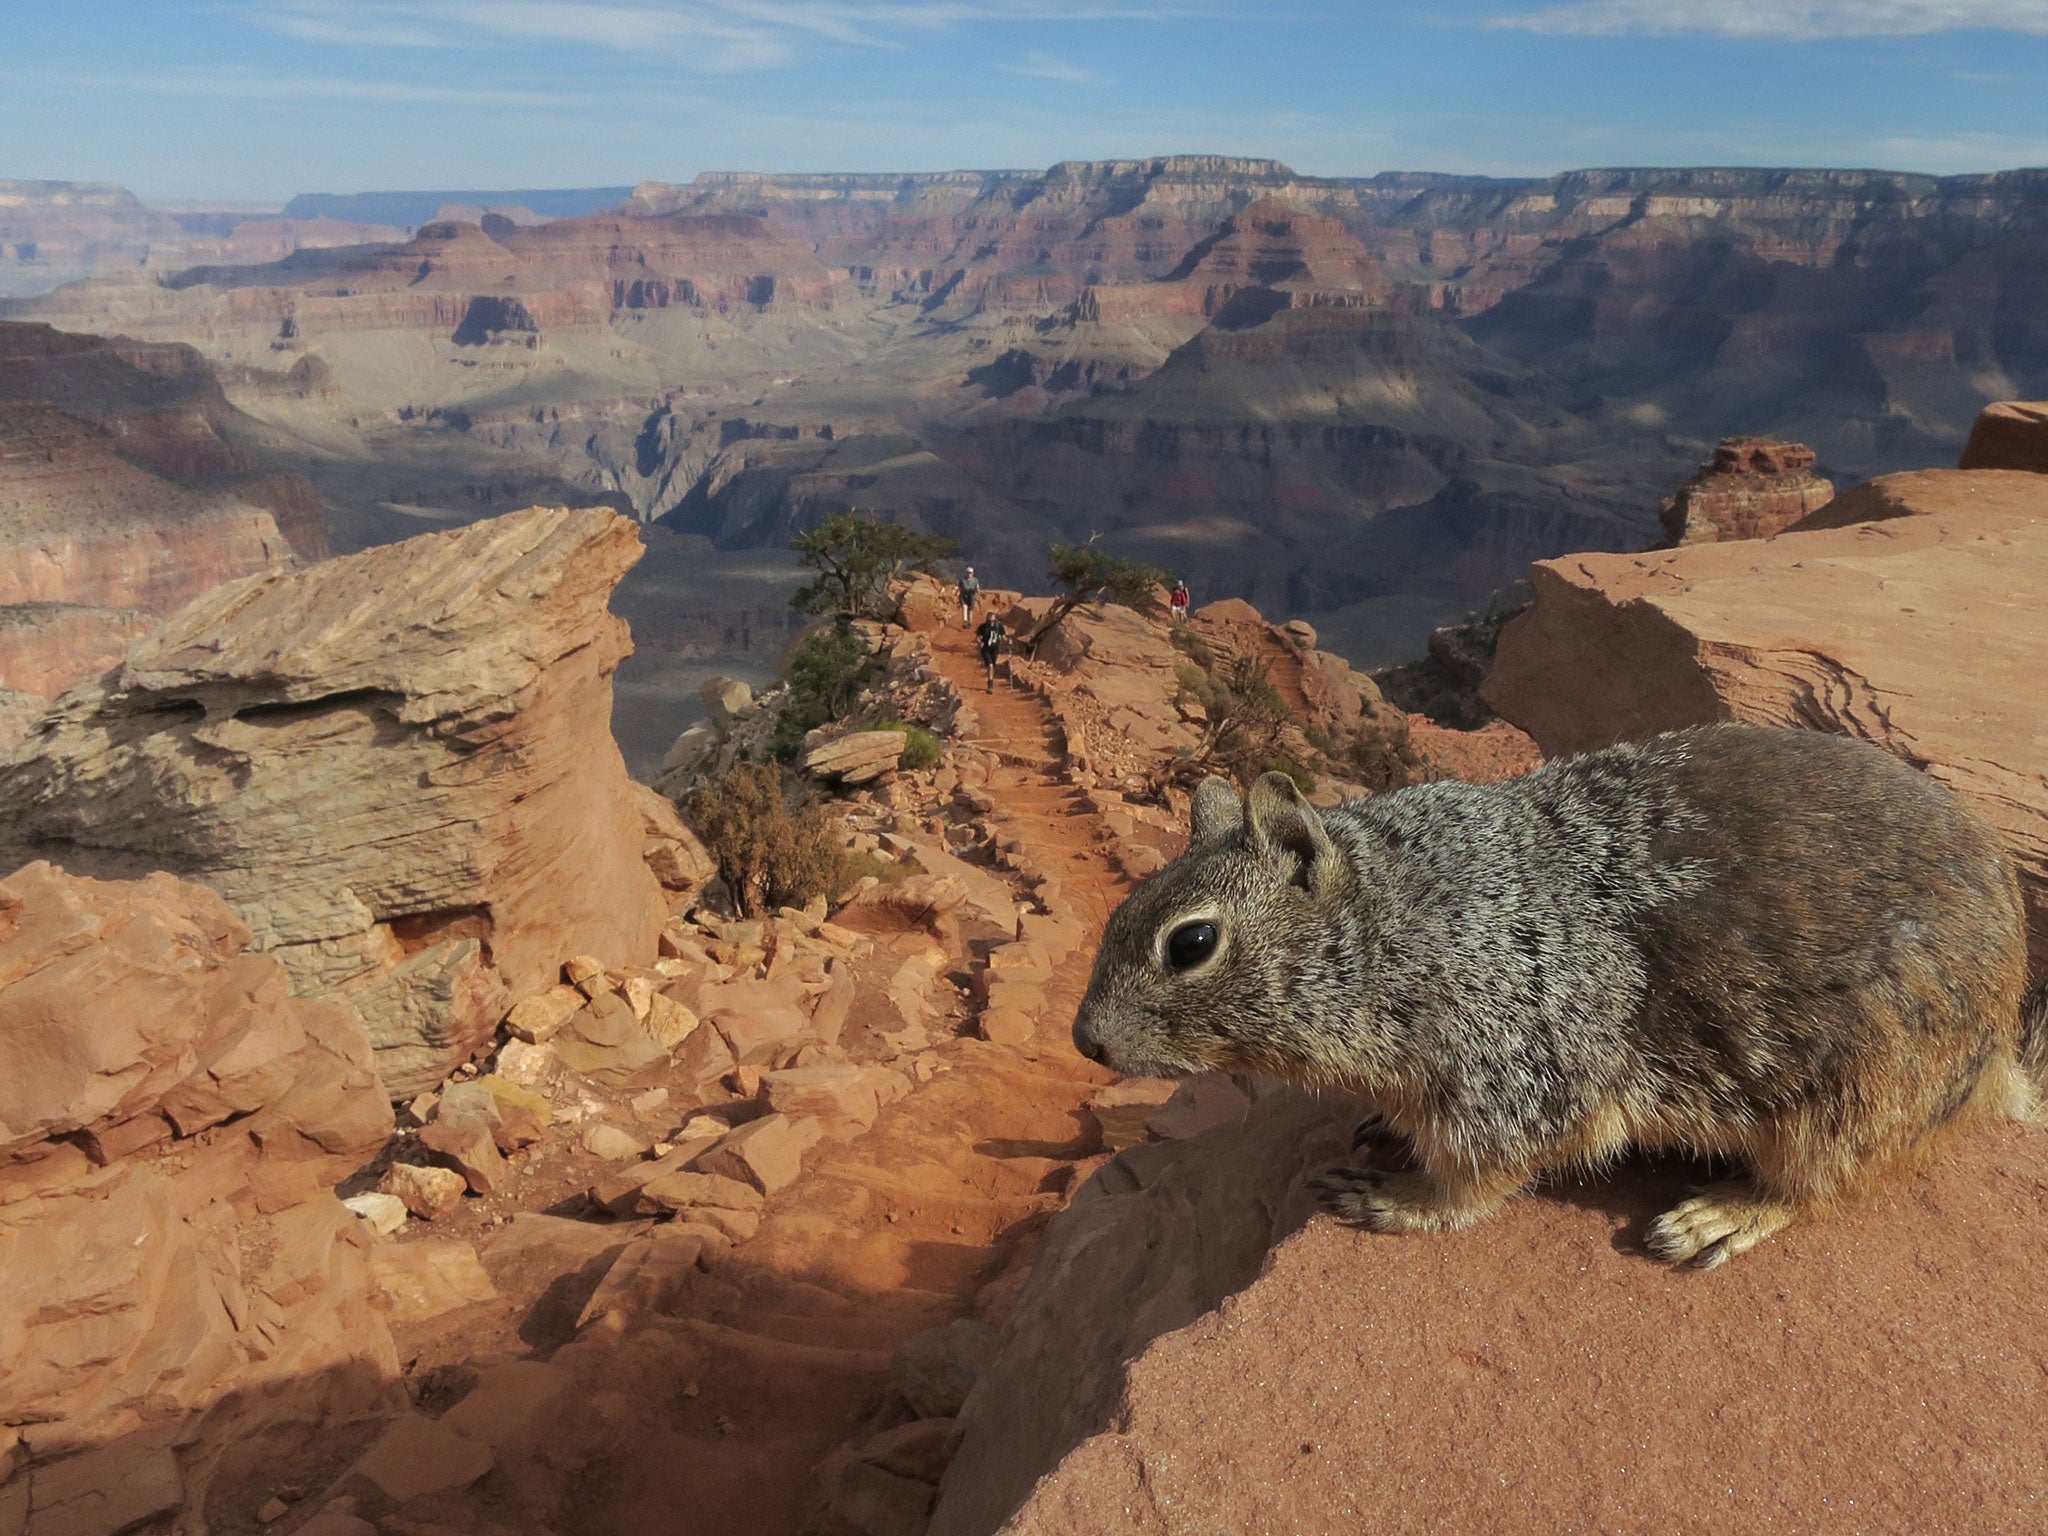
[[921, 749], [856, 557], [889, 871], [824, 672], [1246, 714], [1194, 647], [769, 855]]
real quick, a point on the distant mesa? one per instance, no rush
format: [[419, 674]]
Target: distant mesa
[[55, 232], [1271, 256], [409, 210]]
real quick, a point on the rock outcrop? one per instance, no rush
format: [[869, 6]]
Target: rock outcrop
[[1227, 1361], [2010, 434], [396, 767], [1752, 488], [1920, 633], [185, 1294], [1919, 492]]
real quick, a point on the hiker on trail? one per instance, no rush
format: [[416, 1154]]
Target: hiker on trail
[[989, 638], [970, 589], [1178, 602]]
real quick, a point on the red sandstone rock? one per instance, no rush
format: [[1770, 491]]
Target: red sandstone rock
[[766, 1153], [1921, 492], [182, 1281], [1228, 1362], [2011, 434], [1752, 488], [402, 775], [47, 647], [1922, 634]]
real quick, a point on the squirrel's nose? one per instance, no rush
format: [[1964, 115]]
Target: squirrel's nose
[[1085, 1041]]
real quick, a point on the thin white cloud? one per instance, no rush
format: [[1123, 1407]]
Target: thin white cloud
[[710, 36], [1794, 20], [1039, 65]]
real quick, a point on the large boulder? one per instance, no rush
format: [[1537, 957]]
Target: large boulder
[[397, 767], [860, 757], [1198, 1353], [183, 1285], [1924, 634], [2009, 434]]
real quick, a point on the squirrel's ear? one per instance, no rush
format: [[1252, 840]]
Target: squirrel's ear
[[1285, 825], [1216, 810]]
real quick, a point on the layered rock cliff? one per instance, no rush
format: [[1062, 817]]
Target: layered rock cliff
[[386, 763], [748, 352], [1319, 456], [54, 232]]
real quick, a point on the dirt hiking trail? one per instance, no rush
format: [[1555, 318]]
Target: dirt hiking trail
[[709, 1412]]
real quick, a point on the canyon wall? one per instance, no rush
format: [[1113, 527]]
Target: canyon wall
[[127, 488], [1500, 370]]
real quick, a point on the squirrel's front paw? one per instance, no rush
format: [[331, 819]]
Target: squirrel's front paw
[[1716, 1224], [1383, 1199]]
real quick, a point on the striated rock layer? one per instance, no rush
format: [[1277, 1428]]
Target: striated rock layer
[[1196, 1354], [1920, 633], [397, 767], [184, 1288]]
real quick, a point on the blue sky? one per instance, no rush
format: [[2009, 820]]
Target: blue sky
[[258, 99]]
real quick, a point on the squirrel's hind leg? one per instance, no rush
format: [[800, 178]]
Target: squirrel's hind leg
[[1390, 1200]]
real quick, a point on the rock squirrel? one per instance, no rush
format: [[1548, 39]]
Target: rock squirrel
[[1783, 947]]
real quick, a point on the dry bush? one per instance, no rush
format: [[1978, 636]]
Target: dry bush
[[768, 854]]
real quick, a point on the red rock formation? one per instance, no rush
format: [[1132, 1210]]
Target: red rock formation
[[80, 524], [396, 766], [46, 647], [1752, 488], [2011, 434], [520, 281], [1920, 634], [184, 1288]]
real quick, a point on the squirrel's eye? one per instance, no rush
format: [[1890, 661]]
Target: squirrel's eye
[[1190, 944]]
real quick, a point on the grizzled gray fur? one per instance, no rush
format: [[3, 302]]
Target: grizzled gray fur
[[1787, 948]]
